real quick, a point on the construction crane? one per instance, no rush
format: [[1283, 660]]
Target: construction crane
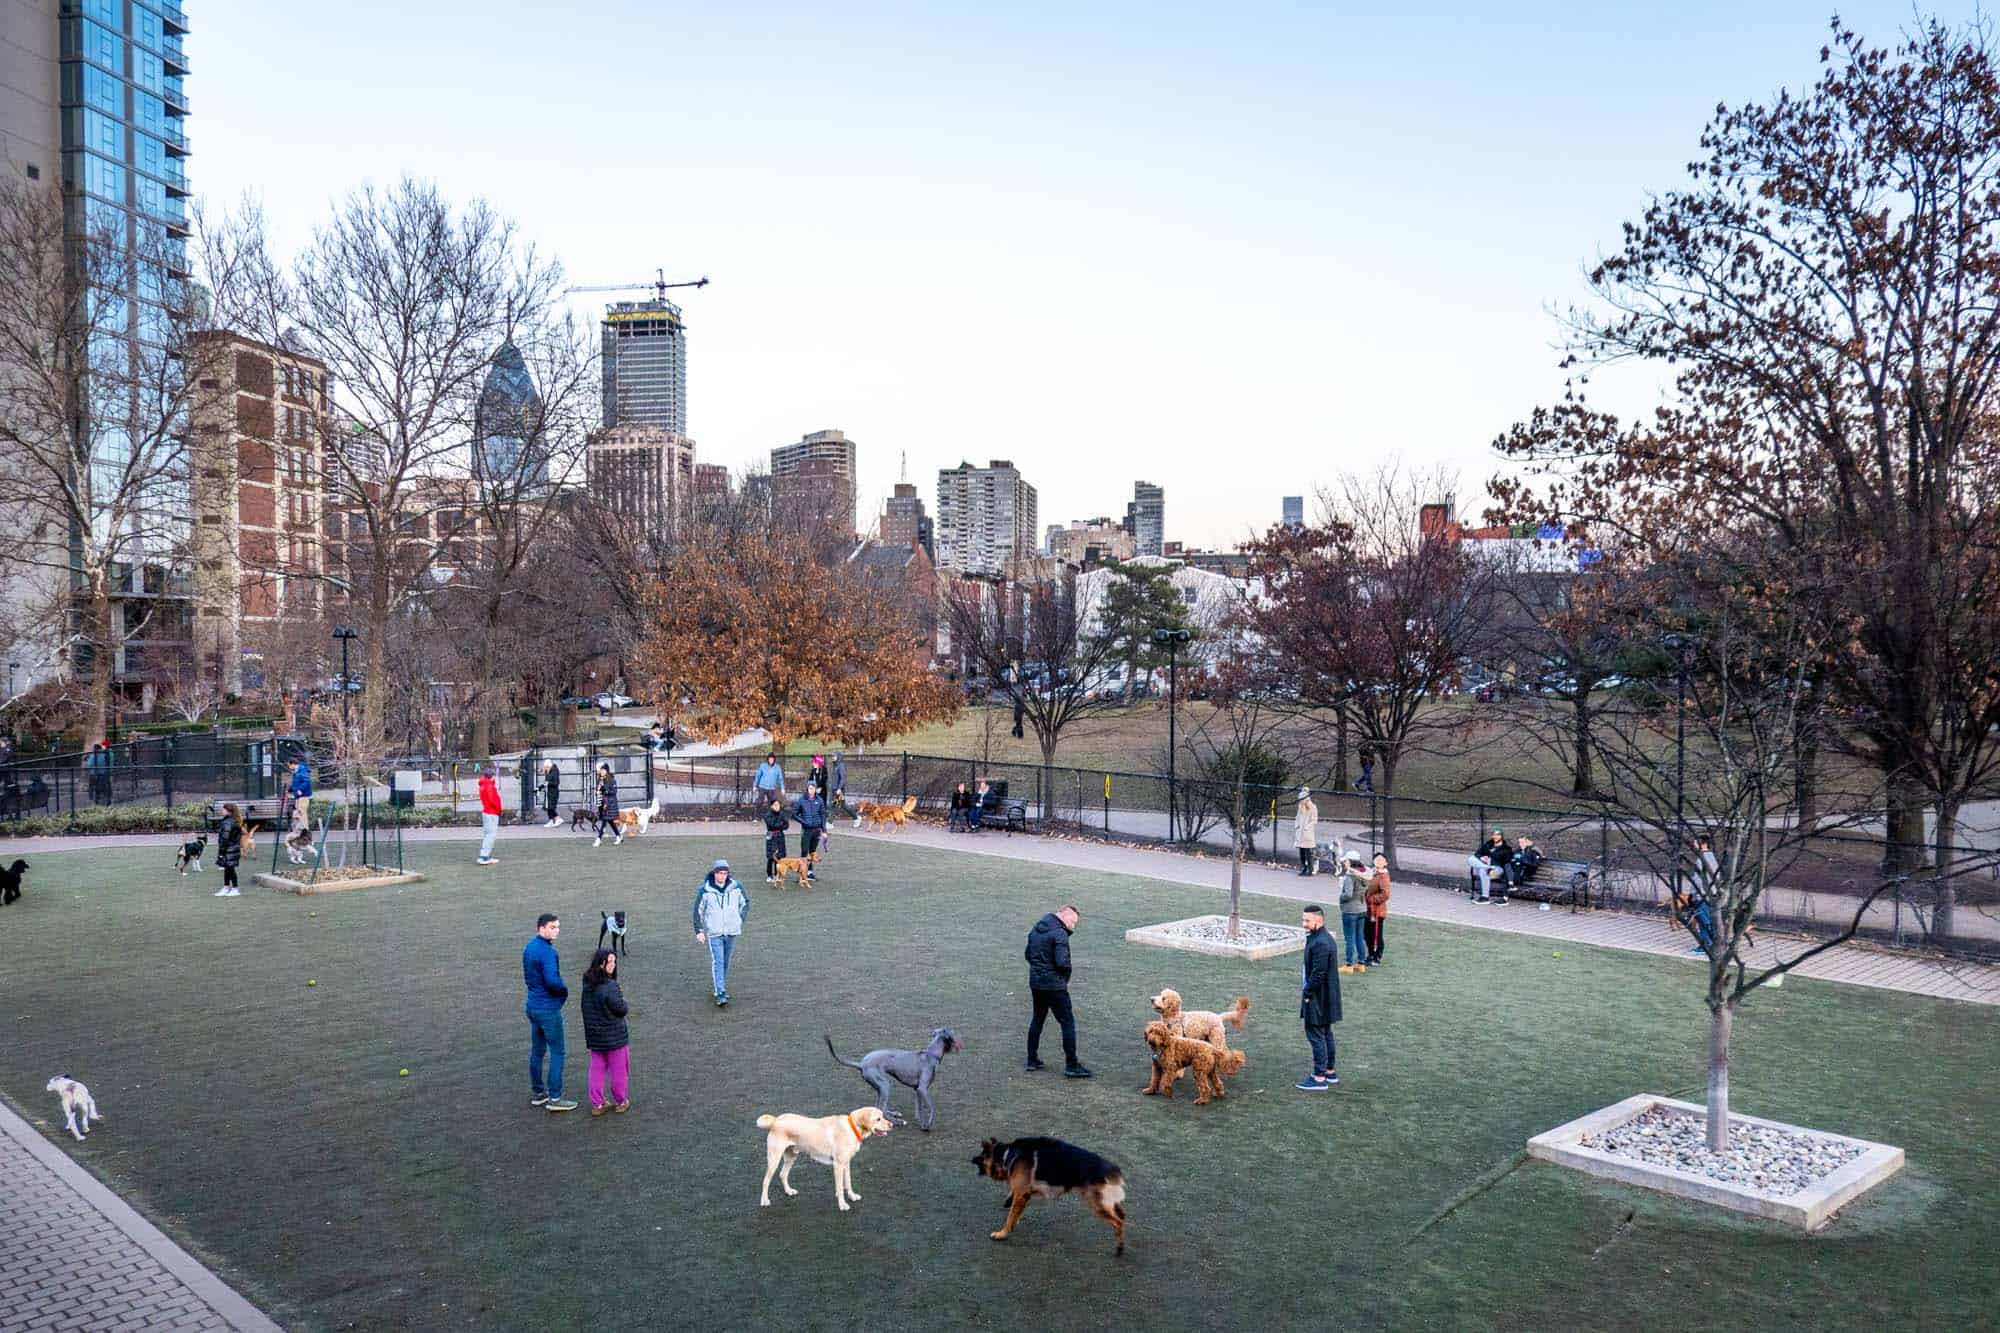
[[659, 284]]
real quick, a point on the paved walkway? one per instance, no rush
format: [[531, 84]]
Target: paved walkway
[[73, 1255], [1854, 964]]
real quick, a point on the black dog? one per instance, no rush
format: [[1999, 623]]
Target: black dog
[[190, 854], [10, 882], [613, 925], [912, 1069]]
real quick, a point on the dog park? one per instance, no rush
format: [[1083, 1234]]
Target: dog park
[[248, 1057]]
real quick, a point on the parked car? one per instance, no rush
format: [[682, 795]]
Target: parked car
[[607, 700]]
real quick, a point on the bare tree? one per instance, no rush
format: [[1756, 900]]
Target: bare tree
[[95, 395], [406, 299]]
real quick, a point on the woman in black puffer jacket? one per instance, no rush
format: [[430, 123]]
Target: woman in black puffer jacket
[[229, 851], [605, 1034]]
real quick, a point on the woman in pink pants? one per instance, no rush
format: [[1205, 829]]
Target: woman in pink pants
[[605, 1034]]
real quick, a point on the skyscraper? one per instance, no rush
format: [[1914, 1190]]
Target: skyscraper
[[645, 365], [1295, 511], [92, 97], [509, 450], [644, 474], [815, 479], [985, 518], [1146, 517]]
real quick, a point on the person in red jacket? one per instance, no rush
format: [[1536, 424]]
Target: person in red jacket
[[489, 815]]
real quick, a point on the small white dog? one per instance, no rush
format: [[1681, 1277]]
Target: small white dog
[[79, 1107]]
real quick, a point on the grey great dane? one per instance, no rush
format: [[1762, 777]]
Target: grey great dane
[[912, 1069]]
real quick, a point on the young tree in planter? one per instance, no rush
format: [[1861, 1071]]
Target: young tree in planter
[[760, 633], [1371, 611], [1239, 752]]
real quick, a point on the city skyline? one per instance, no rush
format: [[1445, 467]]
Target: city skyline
[[1386, 211]]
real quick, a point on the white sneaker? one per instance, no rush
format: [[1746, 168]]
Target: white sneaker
[[598, 843], [222, 892], [232, 893], [551, 824], [617, 840]]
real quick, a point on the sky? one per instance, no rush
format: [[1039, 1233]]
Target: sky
[[1235, 251]]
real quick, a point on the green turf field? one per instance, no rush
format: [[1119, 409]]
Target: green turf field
[[262, 1122]]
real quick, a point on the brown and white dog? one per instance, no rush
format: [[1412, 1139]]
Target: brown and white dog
[[631, 823], [876, 814], [831, 1139], [796, 865]]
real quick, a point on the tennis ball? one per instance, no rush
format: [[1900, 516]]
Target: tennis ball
[[1557, 954], [402, 1073], [311, 982]]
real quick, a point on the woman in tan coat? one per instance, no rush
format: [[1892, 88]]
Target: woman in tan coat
[[1378, 910], [1305, 830]]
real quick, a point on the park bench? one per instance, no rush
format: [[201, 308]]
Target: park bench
[[1012, 814], [248, 811], [1555, 881]]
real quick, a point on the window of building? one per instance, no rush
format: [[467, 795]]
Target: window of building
[[148, 72], [146, 26], [100, 177], [149, 113], [111, 13], [94, 43]]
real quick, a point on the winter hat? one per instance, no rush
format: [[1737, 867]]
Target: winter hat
[[1304, 792], [720, 864]]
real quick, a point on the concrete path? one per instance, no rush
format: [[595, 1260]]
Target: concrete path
[[1854, 964], [73, 1255]]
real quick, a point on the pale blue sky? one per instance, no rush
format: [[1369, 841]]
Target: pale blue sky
[[1231, 253]]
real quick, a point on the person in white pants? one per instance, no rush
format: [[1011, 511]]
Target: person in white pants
[[489, 815]]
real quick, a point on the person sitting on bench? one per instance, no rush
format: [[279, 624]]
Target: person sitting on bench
[[982, 801], [1488, 859], [1527, 860], [961, 805]]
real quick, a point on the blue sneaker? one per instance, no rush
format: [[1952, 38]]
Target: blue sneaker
[[1311, 1085]]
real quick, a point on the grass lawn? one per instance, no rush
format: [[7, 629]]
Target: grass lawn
[[263, 1124]]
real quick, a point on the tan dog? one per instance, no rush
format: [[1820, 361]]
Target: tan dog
[[1200, 1024], [831, 1139], [795, 865], [876, 814], [1173, 1054], [631, 823]]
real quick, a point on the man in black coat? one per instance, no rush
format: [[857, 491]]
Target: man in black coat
[[1319, 1000], [1048, 981]]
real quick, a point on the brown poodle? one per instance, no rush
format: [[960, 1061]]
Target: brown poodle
[[1172, 1054], [1200, 1024]]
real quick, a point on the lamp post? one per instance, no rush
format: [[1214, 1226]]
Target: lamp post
[[10, 678], [346, 635], [1173, 640]]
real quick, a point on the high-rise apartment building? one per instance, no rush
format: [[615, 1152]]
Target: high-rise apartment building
[[814, 480], [904, 522], [1295, 511], [645, 475], [985, 518], [645, 365], [1146, 517], [93, 100], [258, 492], [1091, 542]]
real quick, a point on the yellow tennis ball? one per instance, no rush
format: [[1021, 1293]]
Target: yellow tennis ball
[[1557, 954], [311, 982], [402, 1073]]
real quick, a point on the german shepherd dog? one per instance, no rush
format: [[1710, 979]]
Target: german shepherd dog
[[1049, 1169]]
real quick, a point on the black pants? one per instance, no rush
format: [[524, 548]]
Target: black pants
[[1053, 1002], [1371, 935], [1320, 1038], [1305, 860], [774, 848], [229, 877], [808, 841]]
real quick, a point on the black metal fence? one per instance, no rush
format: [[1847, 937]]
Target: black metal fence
[[154, 770]]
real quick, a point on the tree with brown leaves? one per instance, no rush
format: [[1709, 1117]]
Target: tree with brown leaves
[[758, 632]]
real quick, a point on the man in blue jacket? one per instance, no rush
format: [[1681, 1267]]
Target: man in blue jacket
[[302, 781], [810, 811], [543, 973], [770, 779], [1319, 1000], [1048, 981]]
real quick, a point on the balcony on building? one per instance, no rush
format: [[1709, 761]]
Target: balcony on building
[[174, 56], [176, 20], [176, 99]]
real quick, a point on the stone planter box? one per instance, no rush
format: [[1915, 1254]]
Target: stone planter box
[[1205, 934], [1809, 1209], [305, 886]]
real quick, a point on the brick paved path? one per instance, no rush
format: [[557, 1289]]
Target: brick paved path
[[73, 1255]]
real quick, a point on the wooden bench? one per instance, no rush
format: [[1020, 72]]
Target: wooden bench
[[251, 816], [1555, 881]]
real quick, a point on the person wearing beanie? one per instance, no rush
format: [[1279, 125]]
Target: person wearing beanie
[[1305, 830], [720, 909]]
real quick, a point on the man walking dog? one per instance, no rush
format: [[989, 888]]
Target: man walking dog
[[542, 971], [810, 811], [1048, 981]]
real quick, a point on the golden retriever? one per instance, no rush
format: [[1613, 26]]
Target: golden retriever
[[829, 1139], [631, 823], [876, 814]]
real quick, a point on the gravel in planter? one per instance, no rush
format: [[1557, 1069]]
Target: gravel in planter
[[1775, 1161]]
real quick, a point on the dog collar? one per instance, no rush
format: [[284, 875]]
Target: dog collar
[[858, 1135]]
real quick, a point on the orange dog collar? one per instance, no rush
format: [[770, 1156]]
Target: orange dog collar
[[858, 1135]]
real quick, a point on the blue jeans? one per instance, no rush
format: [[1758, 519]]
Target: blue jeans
[[1350, 934], [721, 948], [973, 815], [545, 1034], [1321, 1041]]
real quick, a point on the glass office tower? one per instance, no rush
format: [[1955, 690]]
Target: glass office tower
[[645, 366]]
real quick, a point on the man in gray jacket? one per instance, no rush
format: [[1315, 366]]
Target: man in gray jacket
[[720, 909]]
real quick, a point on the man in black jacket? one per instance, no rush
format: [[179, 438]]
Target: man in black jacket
[[1319, 1000], [1048, 981], [810, 811], [775, 825]]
